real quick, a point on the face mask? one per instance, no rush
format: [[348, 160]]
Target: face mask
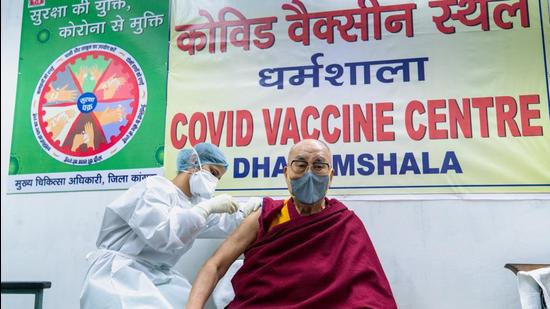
[[310, 188], [203, 184]]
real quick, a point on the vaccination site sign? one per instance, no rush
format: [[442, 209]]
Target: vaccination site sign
[[91, 95], [435, 96]]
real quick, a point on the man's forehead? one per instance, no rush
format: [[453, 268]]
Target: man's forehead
[[309, 150]]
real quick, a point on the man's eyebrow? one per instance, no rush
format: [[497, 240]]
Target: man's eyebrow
[[320, 159], [299, 157]]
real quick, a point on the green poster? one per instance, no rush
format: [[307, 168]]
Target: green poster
[[91, 93]]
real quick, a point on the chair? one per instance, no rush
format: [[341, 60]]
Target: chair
[[27, 287], [528, 267]]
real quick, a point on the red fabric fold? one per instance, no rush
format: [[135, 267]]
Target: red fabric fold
[[325, 260]]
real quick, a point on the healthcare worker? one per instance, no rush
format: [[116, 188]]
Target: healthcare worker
[[147, 229]]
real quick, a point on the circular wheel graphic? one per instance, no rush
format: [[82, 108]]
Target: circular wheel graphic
[[88, 104]]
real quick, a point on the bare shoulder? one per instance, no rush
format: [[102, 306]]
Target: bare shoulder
[[237, 242], [248, 229]]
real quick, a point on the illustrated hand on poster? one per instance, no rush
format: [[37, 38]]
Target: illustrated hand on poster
[[89, 135], [58, 122], [111, 85], [88, 73], [60, 94], [86, 137], [111, 115]]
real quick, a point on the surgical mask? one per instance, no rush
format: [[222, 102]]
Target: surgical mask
[[203, 184], [310, 188]]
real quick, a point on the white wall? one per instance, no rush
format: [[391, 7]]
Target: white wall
[[442, 253]]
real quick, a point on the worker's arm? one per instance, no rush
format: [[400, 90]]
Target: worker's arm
[[216, 266]]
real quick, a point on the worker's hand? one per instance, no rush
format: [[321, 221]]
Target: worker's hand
[[218, 204], [251, 205]]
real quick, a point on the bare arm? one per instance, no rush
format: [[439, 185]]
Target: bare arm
[[216, 266]]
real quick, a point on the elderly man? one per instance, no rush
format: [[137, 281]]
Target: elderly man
[[307, 251]]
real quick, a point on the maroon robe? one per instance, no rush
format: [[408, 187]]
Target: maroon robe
[[325, 260]]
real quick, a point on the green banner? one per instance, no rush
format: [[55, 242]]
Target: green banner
[[91, 95]]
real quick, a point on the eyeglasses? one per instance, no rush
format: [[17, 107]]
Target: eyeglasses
[[318, 168]]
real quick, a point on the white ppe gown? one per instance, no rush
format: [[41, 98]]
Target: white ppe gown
[[144, 233]]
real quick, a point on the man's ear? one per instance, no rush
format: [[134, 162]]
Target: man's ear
[[285, 172], [330, 176]]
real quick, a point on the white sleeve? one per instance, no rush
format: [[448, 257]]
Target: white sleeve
[[223, 294], [221, 225], [160, 222]]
